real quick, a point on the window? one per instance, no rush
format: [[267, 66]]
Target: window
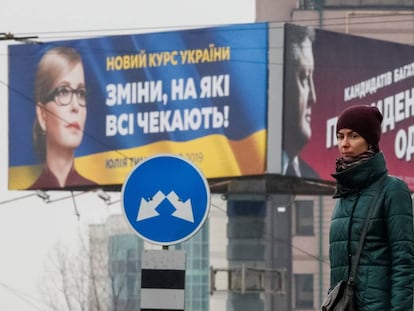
[[117, 267], [307, 4], [130, 285], [304, 291], [304, 217], [132, 261]]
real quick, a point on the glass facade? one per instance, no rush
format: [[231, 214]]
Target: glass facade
[[197, 270], [124, 261]]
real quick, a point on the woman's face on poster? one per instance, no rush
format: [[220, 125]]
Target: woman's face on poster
[[63, 116]]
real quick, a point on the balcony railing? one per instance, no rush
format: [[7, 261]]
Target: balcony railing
[[356, 4]]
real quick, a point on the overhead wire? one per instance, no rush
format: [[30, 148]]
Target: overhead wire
[[272, 238], [79, 32], [33, 302], [17, 198], [58, 34], [29, 100], [333, 21]]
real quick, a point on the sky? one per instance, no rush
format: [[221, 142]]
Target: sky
[[29, 227]]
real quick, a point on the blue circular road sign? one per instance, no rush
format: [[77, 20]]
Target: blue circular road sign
[[166, 199]]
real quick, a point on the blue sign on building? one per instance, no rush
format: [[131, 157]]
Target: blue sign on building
[[166, 199]]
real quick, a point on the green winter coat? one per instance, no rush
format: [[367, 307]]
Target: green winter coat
[[385, 274]]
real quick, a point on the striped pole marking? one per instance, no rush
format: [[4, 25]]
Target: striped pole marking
[[162, 280]]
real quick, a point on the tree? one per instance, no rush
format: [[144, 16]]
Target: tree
[[100, 276], [65, 281]]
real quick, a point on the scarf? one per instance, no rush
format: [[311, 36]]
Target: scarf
[[344, 164]]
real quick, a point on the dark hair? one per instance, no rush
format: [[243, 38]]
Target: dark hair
[[296, 35], [55, 62]]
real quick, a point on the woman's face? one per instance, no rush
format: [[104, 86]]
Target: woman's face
[[350, 143], [64, 124]]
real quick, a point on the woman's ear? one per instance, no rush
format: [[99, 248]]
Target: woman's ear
[[41, 116]]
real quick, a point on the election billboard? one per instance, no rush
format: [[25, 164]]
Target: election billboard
[[83, 113], [336, 71]]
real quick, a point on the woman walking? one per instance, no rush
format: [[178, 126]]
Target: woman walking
[[385, 273]]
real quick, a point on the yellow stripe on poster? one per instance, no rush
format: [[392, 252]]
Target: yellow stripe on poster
[[215, 155], [22, 177]]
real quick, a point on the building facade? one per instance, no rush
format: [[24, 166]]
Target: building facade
[[282, 243]]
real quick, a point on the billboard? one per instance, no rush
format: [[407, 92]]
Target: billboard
[[337, 71], [85, 112]]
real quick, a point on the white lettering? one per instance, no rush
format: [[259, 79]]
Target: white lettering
[[331, 132], [123, 124]]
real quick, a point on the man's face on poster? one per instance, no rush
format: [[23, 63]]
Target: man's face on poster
[[300, 93]]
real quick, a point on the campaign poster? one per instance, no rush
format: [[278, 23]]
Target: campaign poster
[[350, 70], [198, 93]]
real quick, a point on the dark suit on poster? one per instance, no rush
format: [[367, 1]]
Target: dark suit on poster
[[298, 167], [307, 171]]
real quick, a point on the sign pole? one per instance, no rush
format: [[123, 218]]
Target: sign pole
[[166, 201]]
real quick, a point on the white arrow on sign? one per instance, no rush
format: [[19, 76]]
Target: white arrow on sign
[[147, 208], [183, 210]]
